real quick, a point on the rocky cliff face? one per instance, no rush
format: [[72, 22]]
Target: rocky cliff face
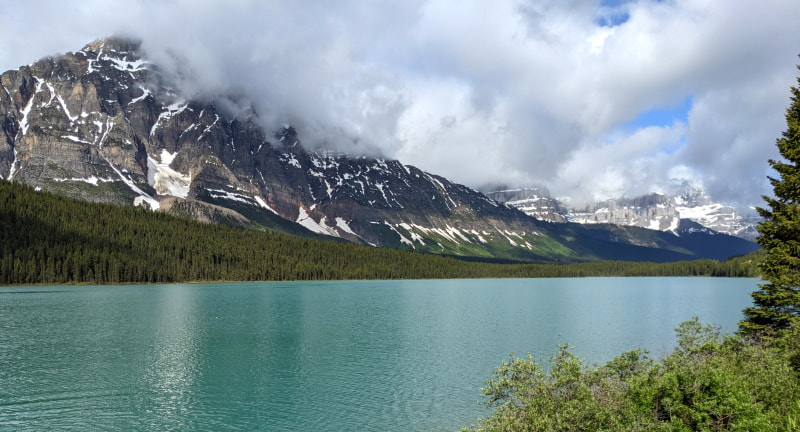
[[652, 211], [534, 201], [103, 124]]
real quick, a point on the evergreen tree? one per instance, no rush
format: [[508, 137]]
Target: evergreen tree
[[778, 301]]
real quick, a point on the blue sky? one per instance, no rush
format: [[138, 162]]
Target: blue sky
[[591, 98], [613, 13], [662, 115]]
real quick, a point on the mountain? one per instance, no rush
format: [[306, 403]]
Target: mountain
[[104, 124], [653, 211], [694, 204], [533, 201]]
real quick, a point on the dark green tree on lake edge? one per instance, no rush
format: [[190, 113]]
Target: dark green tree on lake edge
[[778, 300]]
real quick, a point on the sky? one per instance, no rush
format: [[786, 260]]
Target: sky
[[590, 98]]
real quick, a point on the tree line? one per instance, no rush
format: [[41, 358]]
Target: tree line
[[50, 239]]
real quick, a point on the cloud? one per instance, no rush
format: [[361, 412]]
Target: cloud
[[734, 131], [612, 167], [513, 91]]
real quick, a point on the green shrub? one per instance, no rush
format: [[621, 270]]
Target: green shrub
[[708, 383]]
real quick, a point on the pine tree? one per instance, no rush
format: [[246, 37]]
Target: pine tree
[[778, 300]]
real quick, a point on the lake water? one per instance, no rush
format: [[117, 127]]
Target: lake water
[[319, 356]]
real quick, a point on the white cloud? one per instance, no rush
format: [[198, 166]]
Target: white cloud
[[521, 91], [616, 167]]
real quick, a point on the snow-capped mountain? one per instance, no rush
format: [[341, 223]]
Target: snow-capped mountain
[[534, 201], [663, 212], [103, 124], [653, 211], [695, 205]]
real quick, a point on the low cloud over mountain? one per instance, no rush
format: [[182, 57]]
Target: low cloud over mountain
[[592, 98]]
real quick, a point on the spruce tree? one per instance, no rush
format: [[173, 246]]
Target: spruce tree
[[778, 300]]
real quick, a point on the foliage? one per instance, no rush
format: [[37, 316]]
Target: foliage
[[708, 383], [52, 239], [779, 299]]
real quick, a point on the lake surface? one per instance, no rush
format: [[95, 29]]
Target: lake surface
[[318, 356]]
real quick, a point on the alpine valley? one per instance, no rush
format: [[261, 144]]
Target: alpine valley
[[104, 124]]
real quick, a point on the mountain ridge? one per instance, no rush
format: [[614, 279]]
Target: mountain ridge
[[654, 211], [103, 124]]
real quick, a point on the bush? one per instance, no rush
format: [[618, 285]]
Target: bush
[[708, 383]]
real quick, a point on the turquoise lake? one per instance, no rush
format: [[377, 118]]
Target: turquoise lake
[[315, 356]]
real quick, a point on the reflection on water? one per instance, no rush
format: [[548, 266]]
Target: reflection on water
[[324, 356], [171, 366]]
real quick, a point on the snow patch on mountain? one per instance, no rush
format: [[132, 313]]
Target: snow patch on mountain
[[304, 219], [403, 239], [144, 199], [172, 110], [14, 166], [127, 66], [344, 226], [263, 204], [92, 180], [23, 123], [145, 94], [165, 180], [231, 196], [73, 138]]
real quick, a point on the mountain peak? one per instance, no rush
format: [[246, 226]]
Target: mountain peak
[[120, 44]]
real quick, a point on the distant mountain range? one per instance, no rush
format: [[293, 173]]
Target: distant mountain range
[[104, 124], [653, 211]]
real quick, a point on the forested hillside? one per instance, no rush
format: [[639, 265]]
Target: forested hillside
[[51, 239]]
